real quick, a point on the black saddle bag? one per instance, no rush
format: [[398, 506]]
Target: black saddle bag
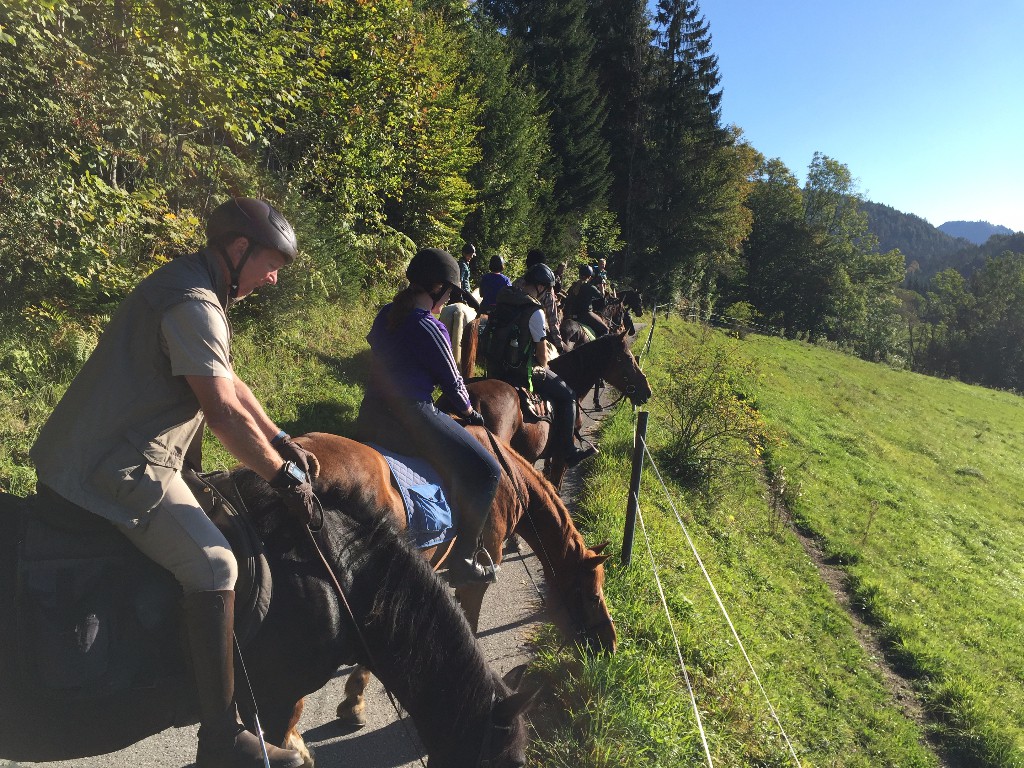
[[93, 615]]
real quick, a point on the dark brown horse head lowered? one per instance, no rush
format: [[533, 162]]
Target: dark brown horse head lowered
[[624, 372]]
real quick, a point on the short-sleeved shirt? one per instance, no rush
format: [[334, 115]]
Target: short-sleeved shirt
[[197, 340], [538, 326]]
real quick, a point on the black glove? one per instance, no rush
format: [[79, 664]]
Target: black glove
[[296, 491], [474, 419], [289, 450]]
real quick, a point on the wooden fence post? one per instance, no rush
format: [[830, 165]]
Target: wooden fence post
[[639, 441]]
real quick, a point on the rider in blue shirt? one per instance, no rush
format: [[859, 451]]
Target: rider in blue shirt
[[492, 283], [411, 355]]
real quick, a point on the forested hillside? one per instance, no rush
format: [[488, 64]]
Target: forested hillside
[[586, 129], [922, 245]]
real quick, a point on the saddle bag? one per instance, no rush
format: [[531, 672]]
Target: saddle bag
[[95, 617]]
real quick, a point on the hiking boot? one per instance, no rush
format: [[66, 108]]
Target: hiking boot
[[223, 740], [576, 455]]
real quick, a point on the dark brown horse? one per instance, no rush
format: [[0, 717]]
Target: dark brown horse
[[401, 614], [525, 503], [607, 358]]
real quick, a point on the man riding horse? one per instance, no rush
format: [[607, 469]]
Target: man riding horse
[[119, 438], [516, 354]]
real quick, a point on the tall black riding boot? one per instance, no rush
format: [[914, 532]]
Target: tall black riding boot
[[223, 740], [563, 425], [463, 566]]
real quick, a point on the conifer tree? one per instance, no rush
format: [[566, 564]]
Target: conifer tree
[[556, 45]]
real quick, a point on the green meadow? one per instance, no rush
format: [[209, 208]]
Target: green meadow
[[909, 484]]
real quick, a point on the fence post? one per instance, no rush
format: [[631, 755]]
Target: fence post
[[639, 441]]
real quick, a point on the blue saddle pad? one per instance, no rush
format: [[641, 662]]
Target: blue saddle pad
[[427, 510]]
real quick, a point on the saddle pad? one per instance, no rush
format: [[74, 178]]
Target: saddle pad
[[426, 509]]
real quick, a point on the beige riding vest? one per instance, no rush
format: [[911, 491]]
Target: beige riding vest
[[120, 432]]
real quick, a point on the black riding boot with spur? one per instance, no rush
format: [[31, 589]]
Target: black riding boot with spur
[[463, 566], [223, 740], [563, 424]]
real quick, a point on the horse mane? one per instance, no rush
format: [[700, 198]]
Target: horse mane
[[410, 612], [543, 495]]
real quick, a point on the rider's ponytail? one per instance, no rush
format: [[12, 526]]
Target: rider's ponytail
[[402, 305]]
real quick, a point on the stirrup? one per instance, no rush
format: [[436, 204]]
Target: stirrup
[[463, 571]]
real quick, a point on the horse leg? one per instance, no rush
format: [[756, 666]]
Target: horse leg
[[352, 710], [598, 386], [293, 739], [471, 599]]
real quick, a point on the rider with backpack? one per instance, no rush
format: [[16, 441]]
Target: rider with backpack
[[411, 354], [120, 437], [515, 353]]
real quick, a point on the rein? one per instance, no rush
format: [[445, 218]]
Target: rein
[[481, 762]]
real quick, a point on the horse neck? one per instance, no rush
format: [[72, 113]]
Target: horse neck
[[406, 615], [548, 528], [581, 368]]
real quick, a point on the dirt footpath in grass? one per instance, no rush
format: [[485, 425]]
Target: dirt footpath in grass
[[869, 637]]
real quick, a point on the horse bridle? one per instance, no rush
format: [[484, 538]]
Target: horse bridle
[[485, 743]]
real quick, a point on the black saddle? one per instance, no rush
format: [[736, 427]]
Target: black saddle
[[95, 616], [535, 405]]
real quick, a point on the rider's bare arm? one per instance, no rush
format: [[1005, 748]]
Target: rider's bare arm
[[238, 421]]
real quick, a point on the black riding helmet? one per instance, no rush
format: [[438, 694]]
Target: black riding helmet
[[586, 271], [497, 264], [431, 266], [539, 274], [255, 220]]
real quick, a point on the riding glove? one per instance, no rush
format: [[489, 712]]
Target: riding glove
[[289, 450], [297, 496], [474, 419]]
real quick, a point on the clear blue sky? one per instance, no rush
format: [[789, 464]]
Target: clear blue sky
[[923, 100]]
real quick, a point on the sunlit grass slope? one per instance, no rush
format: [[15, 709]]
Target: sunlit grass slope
[[633, 709], [916, 485]]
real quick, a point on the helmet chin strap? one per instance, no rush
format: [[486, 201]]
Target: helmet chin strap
[[436, 297], [235, 273]]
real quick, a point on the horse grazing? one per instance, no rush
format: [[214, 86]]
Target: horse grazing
[[525, 503], [607, 358], [463, 326], [401, 614]]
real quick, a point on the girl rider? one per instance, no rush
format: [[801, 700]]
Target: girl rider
[[411, 354]]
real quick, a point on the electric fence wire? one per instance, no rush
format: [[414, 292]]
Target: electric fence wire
[[721, 605], [675, 639]]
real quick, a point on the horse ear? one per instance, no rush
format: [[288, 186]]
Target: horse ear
[[595, 560], [622, 333], [515, 704], [514, 677], [599, 548]]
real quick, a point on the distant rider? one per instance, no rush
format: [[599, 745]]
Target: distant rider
[[517, 355]]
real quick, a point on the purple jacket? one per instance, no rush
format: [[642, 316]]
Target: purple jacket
[[415, 357]]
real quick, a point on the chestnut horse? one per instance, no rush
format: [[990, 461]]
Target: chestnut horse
[[525, 503], [607, 358], [400, 615]]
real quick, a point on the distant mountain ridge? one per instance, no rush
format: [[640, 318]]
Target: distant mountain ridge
[[977, 232], [928, 250]]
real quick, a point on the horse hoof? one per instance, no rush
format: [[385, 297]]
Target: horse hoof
[[349, 718]]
